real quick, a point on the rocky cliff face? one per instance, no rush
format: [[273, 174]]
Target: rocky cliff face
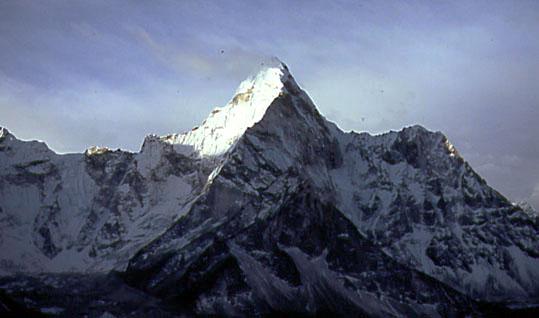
[[91, 211], [267, 207]]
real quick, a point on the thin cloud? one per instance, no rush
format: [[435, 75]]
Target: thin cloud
[[534, 197], [85, 29], [205, 61]]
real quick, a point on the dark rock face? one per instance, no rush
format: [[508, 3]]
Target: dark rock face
[[303, 258], [10, 308], [77, 295]]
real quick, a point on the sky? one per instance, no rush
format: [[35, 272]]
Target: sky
[[81, 73]]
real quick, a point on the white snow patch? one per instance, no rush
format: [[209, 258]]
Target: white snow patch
[[226, 124], [95, 150], [525, 265]]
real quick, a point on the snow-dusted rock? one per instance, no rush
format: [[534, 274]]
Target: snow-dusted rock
[[528, 209], [89, 212], [267, 207], [407, 193]]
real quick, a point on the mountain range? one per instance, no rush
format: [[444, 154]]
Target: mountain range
[[265, 208]]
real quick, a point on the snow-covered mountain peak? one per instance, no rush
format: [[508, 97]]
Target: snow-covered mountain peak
[[96, 150], [416, 132], [226, 124], [6, 134], [271, 75], [3, 132], [528, 209]]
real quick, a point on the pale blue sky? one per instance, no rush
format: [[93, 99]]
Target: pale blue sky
[[77, 74]]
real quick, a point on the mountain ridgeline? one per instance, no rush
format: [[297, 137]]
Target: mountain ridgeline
[[265, 208]]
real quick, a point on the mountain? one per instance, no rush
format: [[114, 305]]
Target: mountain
[[91, 212], [526, 207], [267, 208]]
